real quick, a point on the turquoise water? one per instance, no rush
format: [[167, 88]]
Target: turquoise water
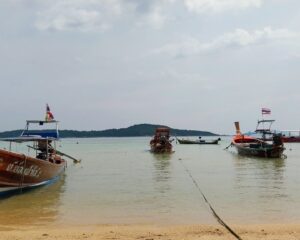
[[120, 182]]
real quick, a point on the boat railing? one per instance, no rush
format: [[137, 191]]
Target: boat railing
[[264, 125]]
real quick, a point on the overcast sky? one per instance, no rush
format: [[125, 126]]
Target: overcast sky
[[191, 64]]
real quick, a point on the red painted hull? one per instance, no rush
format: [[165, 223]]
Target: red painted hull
[[291, 139], [21, 171], [159, 148]]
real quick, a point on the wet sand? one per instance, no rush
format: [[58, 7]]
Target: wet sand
[[150, 232]]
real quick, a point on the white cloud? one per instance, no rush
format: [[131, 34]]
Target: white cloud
[[82, 15], [201, 6], [237, 38], [154, 18], [72, 19], [155, 15], [87, 15]]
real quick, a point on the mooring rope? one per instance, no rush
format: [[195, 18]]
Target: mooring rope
[[209, 205], [230, 145], [23, 172]]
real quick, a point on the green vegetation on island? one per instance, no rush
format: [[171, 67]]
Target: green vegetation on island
[[138, 130]]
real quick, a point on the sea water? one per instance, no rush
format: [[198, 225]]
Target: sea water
[[120, 182]]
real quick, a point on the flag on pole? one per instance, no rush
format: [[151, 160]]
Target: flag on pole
[[265, 111], [49, 115]]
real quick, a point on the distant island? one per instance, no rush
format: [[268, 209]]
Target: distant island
[[138, 130]]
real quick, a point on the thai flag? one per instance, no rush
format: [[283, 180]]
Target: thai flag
[[265, 111], [49, 115]]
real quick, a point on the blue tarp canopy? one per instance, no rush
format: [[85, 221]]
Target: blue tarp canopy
[[48, 133], [27, 139]]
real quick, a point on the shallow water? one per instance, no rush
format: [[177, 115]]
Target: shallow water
[[120, 182]]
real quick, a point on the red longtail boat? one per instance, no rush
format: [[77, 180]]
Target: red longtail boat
[[161, 142], [39, 167]]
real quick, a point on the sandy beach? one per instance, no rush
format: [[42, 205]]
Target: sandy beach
[[150, 232]]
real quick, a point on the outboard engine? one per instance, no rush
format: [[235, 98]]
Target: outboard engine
[[277, 140]]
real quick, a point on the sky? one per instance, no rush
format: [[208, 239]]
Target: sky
[[188, 64]]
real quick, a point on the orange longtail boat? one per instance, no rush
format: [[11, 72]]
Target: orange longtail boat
[[251, 146], [39, 166]]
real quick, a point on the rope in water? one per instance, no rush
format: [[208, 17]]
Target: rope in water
[[209, 205], [230, 145]]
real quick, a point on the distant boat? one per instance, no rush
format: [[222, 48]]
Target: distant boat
[[290, 136], [23, 170], [161, 142], [200, 141], [251, 146]]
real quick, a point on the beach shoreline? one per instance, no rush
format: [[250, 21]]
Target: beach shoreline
[[150, 232]]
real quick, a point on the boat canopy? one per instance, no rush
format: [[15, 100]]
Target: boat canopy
[[42, 129], [27, 139], [162, 131], [41, 133], [41, 122], [264, 126]]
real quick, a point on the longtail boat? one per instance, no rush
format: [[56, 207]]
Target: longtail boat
[[161, 142], [37, 167], [200, 141], [251, 146]]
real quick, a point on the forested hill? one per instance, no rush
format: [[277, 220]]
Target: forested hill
[[138, 130]]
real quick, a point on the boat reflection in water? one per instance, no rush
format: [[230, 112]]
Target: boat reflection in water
[[162, 161], [39, 206], [162, 167], [164, 203], [261, 183]]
